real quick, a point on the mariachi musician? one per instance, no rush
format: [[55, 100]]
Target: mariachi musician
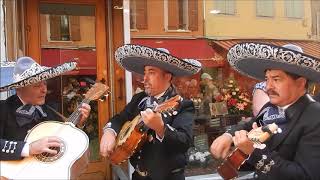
[[163, 156], [27, 108], [295, 153]]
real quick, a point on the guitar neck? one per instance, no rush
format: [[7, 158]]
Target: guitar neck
[[75, 116]]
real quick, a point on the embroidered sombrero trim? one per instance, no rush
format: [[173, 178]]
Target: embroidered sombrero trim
[[33, 70], [272, 53], [47, 74], [130, 50]]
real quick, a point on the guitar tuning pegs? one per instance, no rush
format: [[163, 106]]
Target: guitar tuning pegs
[[174, 112], [103, 98], [279, 130], [169, 114], [259, 145], [164, 115]]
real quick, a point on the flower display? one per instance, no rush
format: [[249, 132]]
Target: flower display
[[237, 100]]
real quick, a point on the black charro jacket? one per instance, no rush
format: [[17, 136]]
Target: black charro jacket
[[11, 134], [160, 158], [293, 154]]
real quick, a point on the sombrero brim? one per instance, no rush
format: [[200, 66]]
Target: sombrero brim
[[135, 57], [41, 76], [253, 59]]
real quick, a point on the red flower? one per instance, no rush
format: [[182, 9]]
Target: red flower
[[219, 98], [232, 102]]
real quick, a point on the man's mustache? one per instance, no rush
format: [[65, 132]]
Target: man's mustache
[[272, 92]]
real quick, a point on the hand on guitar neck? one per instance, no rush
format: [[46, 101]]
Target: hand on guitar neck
[[153, 121], [221, 146], [242, 141], [245, 143]]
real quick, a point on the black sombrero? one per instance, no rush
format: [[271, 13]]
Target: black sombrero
[[253, 59], [135, 57]]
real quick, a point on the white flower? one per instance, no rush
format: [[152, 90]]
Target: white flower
[[191, 158]]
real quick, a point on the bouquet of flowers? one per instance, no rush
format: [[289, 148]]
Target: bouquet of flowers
[[238, 101]]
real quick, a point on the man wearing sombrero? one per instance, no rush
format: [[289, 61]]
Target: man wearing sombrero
[[295, 152], [163, 156], [21, 112]]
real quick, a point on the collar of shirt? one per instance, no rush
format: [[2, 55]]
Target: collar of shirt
[[159, 95], [24, 103]]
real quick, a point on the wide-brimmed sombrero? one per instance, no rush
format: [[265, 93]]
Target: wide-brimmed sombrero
[[253, 59], [26, 72], [135, 57]]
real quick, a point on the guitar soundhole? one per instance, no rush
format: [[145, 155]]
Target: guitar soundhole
[[46, 157]]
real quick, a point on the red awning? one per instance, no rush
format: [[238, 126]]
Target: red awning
[[185, 48]]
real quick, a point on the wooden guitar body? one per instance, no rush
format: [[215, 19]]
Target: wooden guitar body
[[229, 168], [130, 139], [69, 163]]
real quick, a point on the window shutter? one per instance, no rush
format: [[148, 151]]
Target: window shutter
[[294, 8], [141, 14], [75, 28], [264, 8], [193, 15], [230, 7], [298, 8], [173, 15], [55, 33], [220, 5], [133, 14]]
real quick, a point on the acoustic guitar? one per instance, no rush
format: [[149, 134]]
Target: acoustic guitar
[[72, 157], [133, 134], [230, 166]]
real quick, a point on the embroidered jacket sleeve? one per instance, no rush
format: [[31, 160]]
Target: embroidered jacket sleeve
[[179, 133], [9, 150]]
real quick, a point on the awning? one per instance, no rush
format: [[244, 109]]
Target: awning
[[309, 47], [186, 48]]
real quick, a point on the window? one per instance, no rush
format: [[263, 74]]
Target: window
[[225, 6], [294, 8], [264, 8], [138, 14], [181, 14], [64, 28]]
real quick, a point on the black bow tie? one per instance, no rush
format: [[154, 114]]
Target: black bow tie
[[27, 114]]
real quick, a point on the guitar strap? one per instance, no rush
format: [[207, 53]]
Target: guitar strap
[[59, 114]]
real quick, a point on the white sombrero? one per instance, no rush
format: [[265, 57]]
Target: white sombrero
[[26, 72], [135, 57], [253, 59]]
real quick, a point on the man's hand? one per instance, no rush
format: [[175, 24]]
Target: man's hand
[[242, 142], [154, 121], [220, 146], [85, 111], [42, 145], [108, 141]]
